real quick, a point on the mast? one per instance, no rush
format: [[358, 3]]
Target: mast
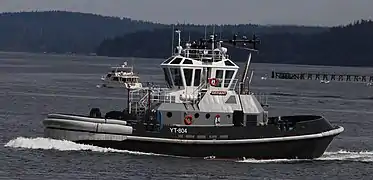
[[244, 75], [178, 37], [173, 39], [213, 38], [179, 48]]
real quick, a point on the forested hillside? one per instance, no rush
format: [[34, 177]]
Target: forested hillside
[[344, 45], [82, 33], [63, 32]]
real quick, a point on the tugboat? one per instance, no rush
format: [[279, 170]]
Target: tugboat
[[200, 114], [122, 76]]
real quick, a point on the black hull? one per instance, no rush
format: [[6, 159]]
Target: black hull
[[304, 137], [294, 149]]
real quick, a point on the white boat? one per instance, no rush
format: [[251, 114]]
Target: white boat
[[122, 76]]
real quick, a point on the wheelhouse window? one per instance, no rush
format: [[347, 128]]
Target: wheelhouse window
[[228, 77], [188, 76], [176, 77], [197, 77], [133, 80], [208, 74], [219, 76], [168, 60], [228, 63], [187, 61], [177, 61], [167, 77]]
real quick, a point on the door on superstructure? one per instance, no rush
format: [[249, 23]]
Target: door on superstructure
[[238, 118]]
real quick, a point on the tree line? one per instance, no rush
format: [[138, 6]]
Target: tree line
[[349, 45], [83, 33]]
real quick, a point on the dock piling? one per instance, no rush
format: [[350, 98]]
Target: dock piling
[[323, 76]]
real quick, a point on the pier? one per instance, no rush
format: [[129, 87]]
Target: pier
[[322, 76]]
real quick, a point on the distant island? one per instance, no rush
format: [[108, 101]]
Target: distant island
[[81, 33]]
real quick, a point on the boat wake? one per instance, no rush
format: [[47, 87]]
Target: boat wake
[[341, 155], [64, 145]]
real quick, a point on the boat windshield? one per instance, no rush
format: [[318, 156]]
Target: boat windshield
[[123, 69]]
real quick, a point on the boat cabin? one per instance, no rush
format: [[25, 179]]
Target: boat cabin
[[182, 72]]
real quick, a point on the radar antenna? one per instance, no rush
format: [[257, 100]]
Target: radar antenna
[[234, 42]]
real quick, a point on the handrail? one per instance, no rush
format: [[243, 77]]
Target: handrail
[[199, 54]]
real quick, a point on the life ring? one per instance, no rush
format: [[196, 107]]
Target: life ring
[[217, 119], [188, 120], [213, 81]]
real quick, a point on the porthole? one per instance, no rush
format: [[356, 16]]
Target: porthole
[[207, 115], [169, 114], [196, 115]]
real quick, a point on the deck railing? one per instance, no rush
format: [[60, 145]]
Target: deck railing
[[201, 54], [139, 98]]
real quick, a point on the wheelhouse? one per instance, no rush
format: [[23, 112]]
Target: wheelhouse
[[181, 72]]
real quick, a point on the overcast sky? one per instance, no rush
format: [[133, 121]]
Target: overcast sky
[[302, 12]]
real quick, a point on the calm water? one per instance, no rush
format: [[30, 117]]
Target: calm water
[[32, 86]]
